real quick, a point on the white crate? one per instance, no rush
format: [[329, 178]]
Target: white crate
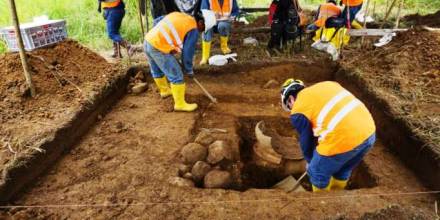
[[36, 34]]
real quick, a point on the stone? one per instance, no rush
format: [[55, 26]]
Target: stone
[[218, 151], [193, 152], [218, 179], [188, 176], [199, 170], [204, 138], [183, 168], [180, 182], [139, 88]]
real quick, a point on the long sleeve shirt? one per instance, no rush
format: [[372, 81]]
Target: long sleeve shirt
[[189, 47], [307, 140], [235, 10]]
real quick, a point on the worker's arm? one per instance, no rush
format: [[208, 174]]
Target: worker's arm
[[189, 47], [306, 138], [235, 10], [205, 5]]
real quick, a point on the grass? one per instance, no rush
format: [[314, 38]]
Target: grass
[[86, 25]]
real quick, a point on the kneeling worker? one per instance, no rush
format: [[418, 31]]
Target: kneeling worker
[[176, 33], [225, 11], [335, 129]]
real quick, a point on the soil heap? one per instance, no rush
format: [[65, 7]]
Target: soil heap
[[65, 75], [411, 67]]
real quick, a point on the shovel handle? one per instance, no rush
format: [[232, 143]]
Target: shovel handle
[[214, 100], [298, 182]]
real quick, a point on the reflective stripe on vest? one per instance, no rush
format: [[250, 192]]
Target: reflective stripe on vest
[[110, 3], [225, 10], [318, 131], [173, 32]]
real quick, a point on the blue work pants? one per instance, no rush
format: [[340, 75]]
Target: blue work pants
[[163, 64], [339, 166], [114, 18], [222, 27]]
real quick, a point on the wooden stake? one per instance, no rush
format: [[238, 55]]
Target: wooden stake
[[147, 7], [365, 21], [374, 9], [140, 18], [398, 13], [388, 13], [23, 57]]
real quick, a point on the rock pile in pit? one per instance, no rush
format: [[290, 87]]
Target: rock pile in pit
[[207, 162]]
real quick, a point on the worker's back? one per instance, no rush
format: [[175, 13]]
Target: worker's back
[[170, 32], [339, 120]]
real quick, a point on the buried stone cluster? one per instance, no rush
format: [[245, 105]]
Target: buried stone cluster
[[207, 163]]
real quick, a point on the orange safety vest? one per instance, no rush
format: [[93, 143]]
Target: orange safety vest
[[170, 32], [110, 3], [327, 10], [352, 2], [339, 120], [224, 10]]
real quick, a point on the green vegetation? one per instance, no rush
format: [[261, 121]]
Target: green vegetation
[[86, 25]]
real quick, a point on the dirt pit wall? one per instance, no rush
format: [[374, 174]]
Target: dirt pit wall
[[129, 168]]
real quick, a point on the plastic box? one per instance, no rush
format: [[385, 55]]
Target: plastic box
[[35, 34]]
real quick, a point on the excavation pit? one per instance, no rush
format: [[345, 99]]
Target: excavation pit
[[264, 175]]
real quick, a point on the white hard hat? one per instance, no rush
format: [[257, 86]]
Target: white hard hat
[[209, 17]]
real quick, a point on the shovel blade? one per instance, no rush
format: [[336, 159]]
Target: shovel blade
[[289, 184]]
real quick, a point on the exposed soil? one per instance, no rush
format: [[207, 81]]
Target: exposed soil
[[123, 165], [66, 76], [406, 73], [431, 20]]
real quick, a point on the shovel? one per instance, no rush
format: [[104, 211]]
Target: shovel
[[214, 100], [290, 184]]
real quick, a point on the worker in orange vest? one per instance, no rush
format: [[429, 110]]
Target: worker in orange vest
[[352, 7], [175, 33], [114, 12], [325, 11], [335, 129], [225, 11]]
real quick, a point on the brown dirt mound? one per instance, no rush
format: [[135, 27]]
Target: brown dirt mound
[[411, 74], [65, 76], [432, 20]]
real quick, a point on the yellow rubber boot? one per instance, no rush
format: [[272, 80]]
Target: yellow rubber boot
[[164, 88], [316, 189], [180, 104], [336, 184], [224, 45], [206, 51], [356, 25]]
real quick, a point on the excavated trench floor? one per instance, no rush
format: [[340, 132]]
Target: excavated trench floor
[[120, 169]]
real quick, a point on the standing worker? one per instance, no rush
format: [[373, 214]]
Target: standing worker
[[225, 12], [175, 33], [352, 7], [114, 12], [335, 129]]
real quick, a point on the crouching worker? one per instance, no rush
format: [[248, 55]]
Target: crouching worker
[[325, 11], [175, 33], [332, 37], [335, 129], [225, 11]]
